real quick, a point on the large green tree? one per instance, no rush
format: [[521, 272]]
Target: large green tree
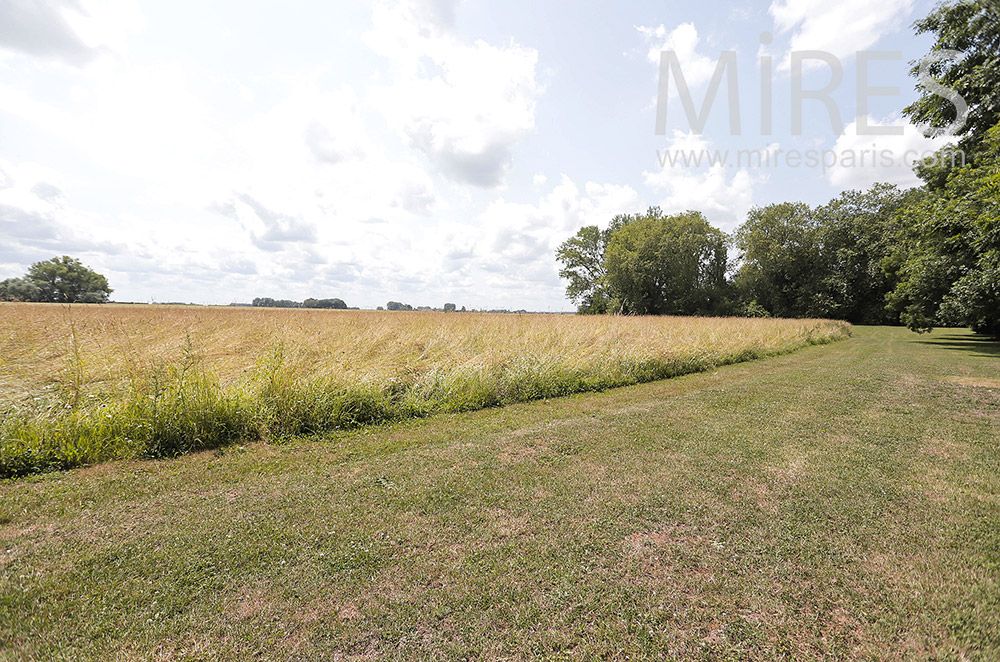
[[950, 249], [949, 245], [781, 266], [582, 258], [67, 280], [855, 234], [972, 28], [667, 265]]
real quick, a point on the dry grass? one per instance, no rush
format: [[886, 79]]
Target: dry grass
[[115, 343], [304, 371]]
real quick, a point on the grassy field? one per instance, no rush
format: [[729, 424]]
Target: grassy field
[[842, 502], [84, 384]]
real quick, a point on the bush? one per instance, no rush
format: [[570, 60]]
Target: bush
[[754, 309]]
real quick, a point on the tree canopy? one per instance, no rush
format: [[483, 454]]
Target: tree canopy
[[950, 249], [328, 304], [971, 28], [881, 256], [647, 264], [828, 261], [19, 289], [582, 258], [778, 251], [667, 265], [59, 280]]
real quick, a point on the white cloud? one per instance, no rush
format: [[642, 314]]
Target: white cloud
[[149, 122], [722, 195], [43, 29], [277, 228], [305, 127], [334, 129], [840, 28], [511, 246], [107, 25], [71, 31], [862, 160], [684, 41], [36, 221], [463, 106]]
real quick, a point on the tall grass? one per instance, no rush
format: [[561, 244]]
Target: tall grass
[[86, 384]]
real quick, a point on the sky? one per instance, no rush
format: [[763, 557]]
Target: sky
[[424, 151]]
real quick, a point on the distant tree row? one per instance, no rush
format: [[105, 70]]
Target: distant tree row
[[268, 302], [59, 280], [922, 257], [396, 306]]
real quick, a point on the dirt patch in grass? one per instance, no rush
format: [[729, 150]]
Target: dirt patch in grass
[[975, 382], [946, 449], [793, 468], [518, 450], [889, 567], [757, 491], [680, 535], [348, 612], [542, 493], [253, 602], [679, 551], [29, 531], [937, 486], [14, 532], [508, 525]]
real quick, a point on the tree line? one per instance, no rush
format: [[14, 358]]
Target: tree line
[[396, 306], [923, 257], [327, 304]]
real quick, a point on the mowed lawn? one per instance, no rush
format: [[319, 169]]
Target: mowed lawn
[[839, 502]]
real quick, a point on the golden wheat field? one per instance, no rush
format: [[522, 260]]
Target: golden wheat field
[[84, 383]]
